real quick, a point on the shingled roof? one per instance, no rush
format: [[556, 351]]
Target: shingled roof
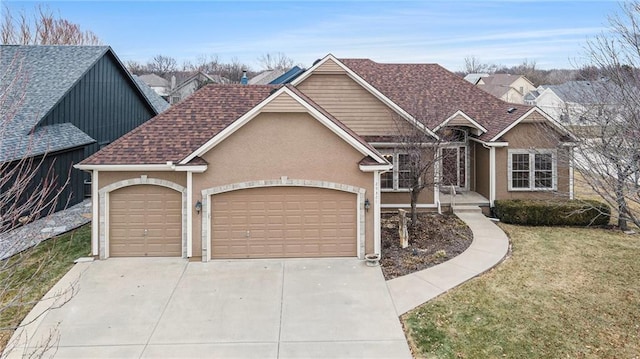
[[33, 79], [187, 126], [431, 94], [183, 128]]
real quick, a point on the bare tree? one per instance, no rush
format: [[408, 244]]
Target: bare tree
[[43, 29], [610, 160], [162, 65], [208, 64], [276, 61], [473, 65], [233, 70], [20, 202], [422, 158], [136, 67]]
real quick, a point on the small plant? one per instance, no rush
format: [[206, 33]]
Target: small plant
[[440, 254]]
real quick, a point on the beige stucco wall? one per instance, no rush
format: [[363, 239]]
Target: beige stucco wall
[[538, 135], [273, 145]]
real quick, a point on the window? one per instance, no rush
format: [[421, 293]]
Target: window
[[532, 170], [400, 177]]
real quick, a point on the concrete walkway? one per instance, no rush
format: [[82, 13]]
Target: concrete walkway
[[490, 245]]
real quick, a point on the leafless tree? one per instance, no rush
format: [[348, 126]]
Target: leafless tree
[[420, 156], [162, 65], [609, 159], [233, 70], [20, 202], [276, 61], [473, 65], [136, 67], [43, 29], [209, 64]]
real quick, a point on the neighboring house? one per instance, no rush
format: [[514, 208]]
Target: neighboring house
[[158, 84], [305, 169], [265, 77], [509, 88], [192, 83], [76, 100], [573, 102], [288, 76]]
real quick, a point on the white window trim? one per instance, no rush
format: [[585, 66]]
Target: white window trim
[[532, 153], [396, 167]]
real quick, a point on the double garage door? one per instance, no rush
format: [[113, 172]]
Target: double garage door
[[269, 222]]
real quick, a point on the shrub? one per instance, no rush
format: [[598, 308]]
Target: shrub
[[553, 212]]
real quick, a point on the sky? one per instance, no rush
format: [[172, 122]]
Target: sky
[[552, 34]]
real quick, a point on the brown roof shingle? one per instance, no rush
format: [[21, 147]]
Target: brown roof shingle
[[182, 129], [431, 94]]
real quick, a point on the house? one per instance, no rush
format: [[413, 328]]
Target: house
[[65, 103], [158, 84], [305, 169], [265, 77], [509, 88], [193, 83], [573, 102], [288, 76]]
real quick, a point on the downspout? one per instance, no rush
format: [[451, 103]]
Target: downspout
[[95, 202], [436, 186], [571, 174], [189, 214], [377, 240]]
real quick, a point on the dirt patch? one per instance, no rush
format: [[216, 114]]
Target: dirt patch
[[435, 239]]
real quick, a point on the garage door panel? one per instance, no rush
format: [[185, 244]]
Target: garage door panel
[[283, 222], [145, 220]]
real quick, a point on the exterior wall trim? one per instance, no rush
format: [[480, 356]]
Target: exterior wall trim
[[555, 124], [104, 192], [282, 182]]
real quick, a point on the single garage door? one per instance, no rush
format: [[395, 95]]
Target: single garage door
[[145, 220], [278, 222]]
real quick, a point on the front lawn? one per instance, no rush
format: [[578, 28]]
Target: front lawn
[[26, 277], [563, 293]]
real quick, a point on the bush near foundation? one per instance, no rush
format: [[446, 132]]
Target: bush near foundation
[[553, 212]]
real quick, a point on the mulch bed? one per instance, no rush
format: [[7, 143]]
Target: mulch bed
[[435, 239]]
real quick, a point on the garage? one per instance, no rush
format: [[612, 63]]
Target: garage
[[284, 222], [145, 220]]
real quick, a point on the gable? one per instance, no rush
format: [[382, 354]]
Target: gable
[[273, 145], [538, 119], [350, 103], [283, 96], [104, 103], [284, 103], [329, 66]]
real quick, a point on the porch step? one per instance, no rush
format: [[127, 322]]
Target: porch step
[[467, 209]]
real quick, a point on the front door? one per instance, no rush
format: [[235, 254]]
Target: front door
[[454, 167]]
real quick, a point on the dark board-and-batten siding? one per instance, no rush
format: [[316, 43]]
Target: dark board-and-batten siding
[[105, 104]]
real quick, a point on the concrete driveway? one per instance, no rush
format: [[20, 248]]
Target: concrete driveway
[[150, 308]]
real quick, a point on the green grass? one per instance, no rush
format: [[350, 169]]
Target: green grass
[[563, 293], [27, 277]]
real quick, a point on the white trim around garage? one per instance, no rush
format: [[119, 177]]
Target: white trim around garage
[[282, 182], [142, 180]]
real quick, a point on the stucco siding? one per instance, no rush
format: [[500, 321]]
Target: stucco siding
[[273, 146]]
